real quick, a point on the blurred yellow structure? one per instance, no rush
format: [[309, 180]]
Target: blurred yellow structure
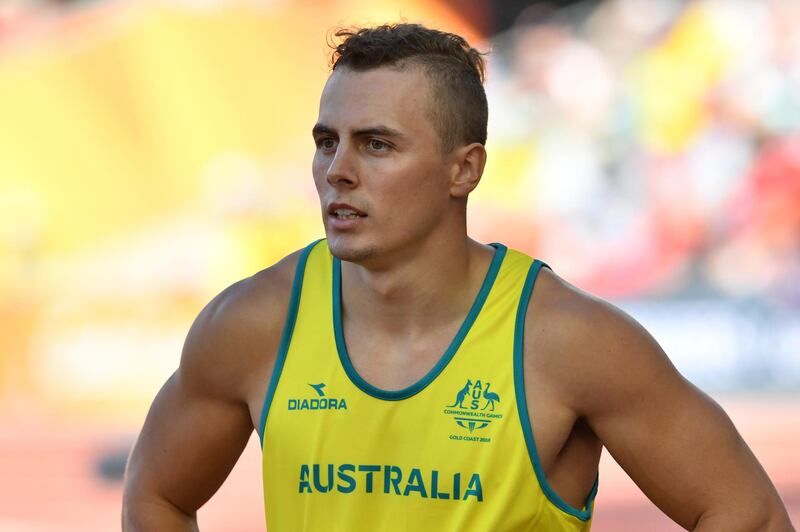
[[151, 153]]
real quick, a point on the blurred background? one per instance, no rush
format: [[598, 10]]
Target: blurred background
[[154, 152]]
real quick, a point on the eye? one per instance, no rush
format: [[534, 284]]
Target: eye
[[377, 145], [326, 143]]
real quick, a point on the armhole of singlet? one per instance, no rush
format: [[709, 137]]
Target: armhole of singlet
[[286, 336], [522, 405]]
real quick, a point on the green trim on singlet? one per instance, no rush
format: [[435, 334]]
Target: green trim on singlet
[[522, 404], [286, 336], [396, 395]]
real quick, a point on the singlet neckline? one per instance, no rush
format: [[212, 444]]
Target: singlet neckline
[[413, 389]]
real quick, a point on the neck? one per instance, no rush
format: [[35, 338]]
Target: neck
[[435, 284]]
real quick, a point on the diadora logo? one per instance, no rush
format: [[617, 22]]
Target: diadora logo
[[320, 402], [473, 409]]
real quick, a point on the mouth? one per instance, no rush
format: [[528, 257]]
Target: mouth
[[342, 211]]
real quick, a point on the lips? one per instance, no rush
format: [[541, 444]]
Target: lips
[[343, 217], [344, 211]]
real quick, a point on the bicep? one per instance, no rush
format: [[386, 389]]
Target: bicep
[[189, 443], [676, 443]]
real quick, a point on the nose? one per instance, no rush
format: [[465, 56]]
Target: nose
[[342, 168]]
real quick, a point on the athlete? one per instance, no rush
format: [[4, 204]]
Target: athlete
[[403, 376]]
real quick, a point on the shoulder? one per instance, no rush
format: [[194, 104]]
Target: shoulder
[[588, 351], [236, 336]]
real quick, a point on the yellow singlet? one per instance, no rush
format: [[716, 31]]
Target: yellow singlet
[[453, 452]]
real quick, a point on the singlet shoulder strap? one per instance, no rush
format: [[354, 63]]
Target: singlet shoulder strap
[[286, 335], [584, 513]]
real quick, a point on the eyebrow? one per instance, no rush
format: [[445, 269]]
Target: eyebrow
[[382, 131]]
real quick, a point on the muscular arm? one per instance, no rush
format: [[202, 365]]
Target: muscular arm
[[202, 417], [189, 444], [675, 442]]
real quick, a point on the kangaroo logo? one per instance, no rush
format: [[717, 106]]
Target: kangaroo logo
[[473, 409], [318, 388], [462, 394]]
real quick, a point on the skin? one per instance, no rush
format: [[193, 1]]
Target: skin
[[593, 376]]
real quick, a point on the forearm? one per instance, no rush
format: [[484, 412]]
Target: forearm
[[146, 516]]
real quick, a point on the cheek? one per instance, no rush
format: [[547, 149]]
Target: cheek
[[319, 170], [420, 192]]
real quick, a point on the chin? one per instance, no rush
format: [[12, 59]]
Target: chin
[[350, 252]]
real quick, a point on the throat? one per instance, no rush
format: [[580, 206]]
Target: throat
[[405, 306], [395, 360]]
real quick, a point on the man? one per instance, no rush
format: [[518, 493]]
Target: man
[[398, 371]]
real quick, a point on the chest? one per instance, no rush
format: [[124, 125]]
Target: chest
[[446, 444], [448, 435]]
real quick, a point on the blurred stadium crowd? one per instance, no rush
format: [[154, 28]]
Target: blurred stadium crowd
[[658, 143], [650, 151]]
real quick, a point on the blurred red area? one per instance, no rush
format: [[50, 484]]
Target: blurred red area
[[56, 477]]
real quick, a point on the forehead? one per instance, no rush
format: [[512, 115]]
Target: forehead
[[399, 99]]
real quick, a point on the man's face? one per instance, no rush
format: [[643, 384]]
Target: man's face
[[380, 174]]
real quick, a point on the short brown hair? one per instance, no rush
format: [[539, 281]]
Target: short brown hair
[[455, 69]]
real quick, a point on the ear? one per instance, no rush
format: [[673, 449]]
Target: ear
[[466, 169]]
